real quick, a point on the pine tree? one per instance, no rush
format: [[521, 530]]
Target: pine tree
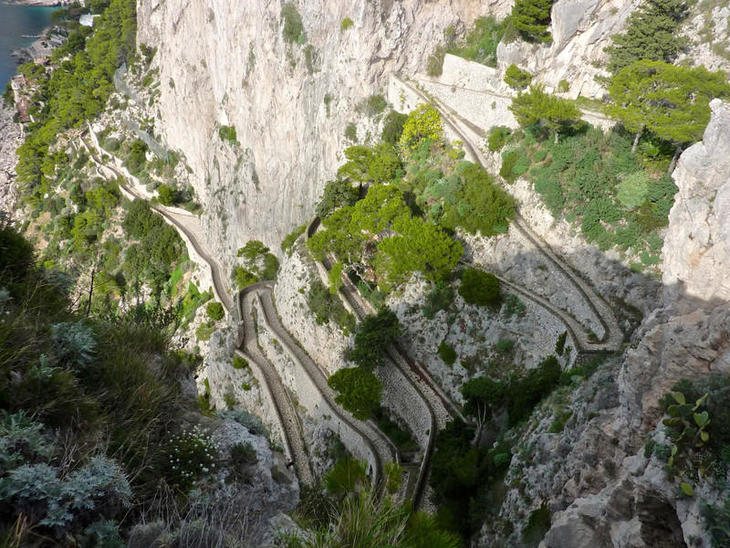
[[670, 101], [652, 32], [531, 18], [539, 108]]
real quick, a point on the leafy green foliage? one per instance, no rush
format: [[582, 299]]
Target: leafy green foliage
[[422, 123], [480, 45], [633, 188], [167, 195], [351, 132], [447, 353], [498, 136], [228, 134], [347, 23], [479, 288], [215, 311], [190, 455], [327, 306], [372, 336], [537, 525], [475, 203], [359, 390], [518, 396], [670, 101], [652, 33], [532, 18], [337, 193], [393, 127], [158, 249], [414, 246], [517, 78], [293, 29], [287, 244], [373, 105], [459, 472], [440, 298], [717, 522], [346, 476], [580, 178], [80, 90], [259, 264], [547, 111]]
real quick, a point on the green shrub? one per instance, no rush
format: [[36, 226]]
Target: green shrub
[[504, 346], [498, 137], [481, 42], [293, 30], [337, 193], [325, 306], [228, 133], [517, 78], [167, 195], [435, 62], [717, 522], [373, 105], [393, 127], [351, 132], [347, 23], [537, 525], [440, 298], [287, 244], [509, 159], [447, 353], [205, 330], [373, 335], [560, 343], [190, 456], [345, 476], [359, 391], [215, 311], [240, 363], [423, 123], [563, 86], [531, 18], [479, 288]]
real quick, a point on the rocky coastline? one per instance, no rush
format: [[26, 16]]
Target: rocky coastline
[[40, 3]]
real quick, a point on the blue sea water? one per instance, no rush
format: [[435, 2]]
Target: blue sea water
[[16, 24]]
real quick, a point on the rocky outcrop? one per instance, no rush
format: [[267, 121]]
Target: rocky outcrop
[[226, 63]]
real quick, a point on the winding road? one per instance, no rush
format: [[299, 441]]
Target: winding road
[[612, 338], [188, 226]]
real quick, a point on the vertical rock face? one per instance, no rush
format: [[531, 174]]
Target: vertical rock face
[[226, 63], [697, 245]]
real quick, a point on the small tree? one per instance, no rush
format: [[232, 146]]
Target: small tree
[[215, 311], [531, 18], [671, 101], [167, 195], [652, 33], [422, 123], [539, 108], [479, 288], [359, 390], [517, 78]]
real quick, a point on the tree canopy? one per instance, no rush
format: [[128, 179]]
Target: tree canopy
[[539, 108], [359, 390], [531, 18], [424, 122], [652, 32], [670, 101]]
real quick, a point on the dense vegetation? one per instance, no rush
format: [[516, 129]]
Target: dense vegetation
[[77, 92], [87, 425], [259, 264], [359, 390], [531, 19], [652, 33]]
